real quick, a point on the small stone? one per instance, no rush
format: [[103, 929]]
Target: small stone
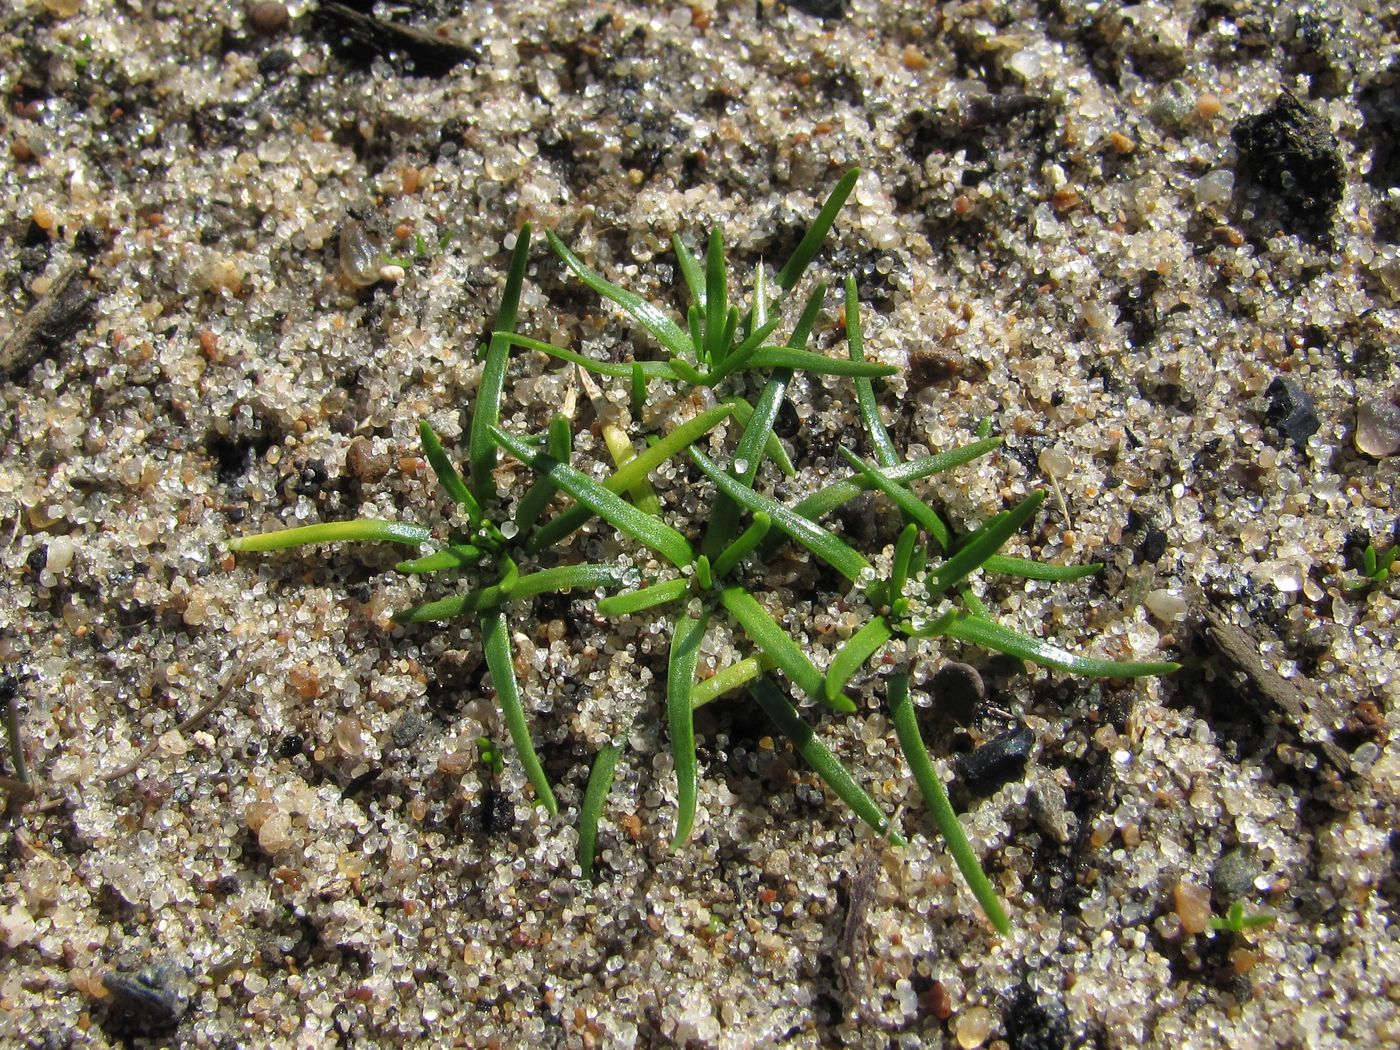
[[1122, 145], [996, 762], [1215, 187], [275, 834], [1192, 905], [1377, 427], [958, 691], [973, 1026], [408, 729], [1050, 809], [1025, 64], [1153, 545], [1291, 411], [1233, 876], [826, 10], [17, 926], [1165, 605], [350, 737], [364, 463], [268, 17], [149, 1002], [60, 554]]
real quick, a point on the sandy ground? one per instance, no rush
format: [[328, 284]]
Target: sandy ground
[[1171, 285]]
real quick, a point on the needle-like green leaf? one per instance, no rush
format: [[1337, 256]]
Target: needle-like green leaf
[[811, 242], [611, 369], [911, 742], [1039, 570], [824, 501], [680, 683], [691, 272], [978, 630], [904, 549], [457, 556], [885, 453], [650, 317], [546, 581], [826, 765], [915, 509], [643, 599], [758, 434], [740, 548], [853, 654], [982, 544], [447, 475], [481, 450], [741, 672], [775, 643], [620, 448], [642, 527], [501, 662], [831, 549], [716, 300], [560, 446], [810, 361], [772, 448], [646, 461], [595, 796], [333, 532]]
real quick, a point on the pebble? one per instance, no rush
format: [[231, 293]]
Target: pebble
[[361, 254], [364, 463], [1291, 411], [268, 17], [1377, 427], [1233, 877], [973, 1026], [60, 554], [149, 1002], [1192, 905], [958, 691], [1050, 809]]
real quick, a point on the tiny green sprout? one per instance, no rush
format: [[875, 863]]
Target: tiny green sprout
[[489, 755], [1236, 921], [1375, 567]]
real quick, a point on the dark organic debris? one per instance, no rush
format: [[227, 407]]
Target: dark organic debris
[[361, 35], [50, 323], [1291, 411], [826, 10], [999, 761], [1289, 150], [1035, 1023], [985, 110], [1152, 545], [148, 1002], [1306, 711]]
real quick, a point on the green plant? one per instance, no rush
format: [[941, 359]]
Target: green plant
[[1375, 567], [1236, 921], [715, 580]]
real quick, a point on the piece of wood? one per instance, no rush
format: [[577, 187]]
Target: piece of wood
[[51, 322], [1297, 704]]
